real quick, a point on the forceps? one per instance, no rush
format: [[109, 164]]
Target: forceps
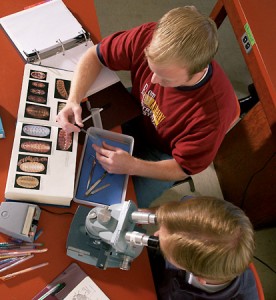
[[92, 191], [91, 171]]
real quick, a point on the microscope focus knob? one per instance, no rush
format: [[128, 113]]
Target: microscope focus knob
[[92, 215], [104, 215]]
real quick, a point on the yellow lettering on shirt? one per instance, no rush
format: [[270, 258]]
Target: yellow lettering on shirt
[[157, 116]]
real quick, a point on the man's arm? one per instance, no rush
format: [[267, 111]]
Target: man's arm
[[117, 161], [167, 170], [85, 74]]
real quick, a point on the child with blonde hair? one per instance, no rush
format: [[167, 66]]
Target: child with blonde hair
[[208, 244]]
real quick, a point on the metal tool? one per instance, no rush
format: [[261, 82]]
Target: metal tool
[[91, 172], [100, 188], [88, 192], [94, 136], [83, 130]]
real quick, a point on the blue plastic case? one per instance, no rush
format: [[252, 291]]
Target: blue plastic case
[[116, 191]]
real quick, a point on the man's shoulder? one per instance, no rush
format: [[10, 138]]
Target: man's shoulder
[[149, 25], [220, 80], [145, 29]]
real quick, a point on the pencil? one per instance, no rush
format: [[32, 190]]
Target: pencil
[[9, 276]]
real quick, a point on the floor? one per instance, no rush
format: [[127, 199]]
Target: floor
[[123, 14]]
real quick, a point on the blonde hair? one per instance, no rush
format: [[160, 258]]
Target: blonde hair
[[185, 37], [209, 237]]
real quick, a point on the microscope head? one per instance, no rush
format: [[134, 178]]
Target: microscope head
[[110, 235]]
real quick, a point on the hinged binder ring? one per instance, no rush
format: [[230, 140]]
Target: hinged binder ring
[[38, 56], [62, 47], [85, 37]]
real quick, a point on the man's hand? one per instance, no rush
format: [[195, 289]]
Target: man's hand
[[117, 161], [70, 115], [114, 160]]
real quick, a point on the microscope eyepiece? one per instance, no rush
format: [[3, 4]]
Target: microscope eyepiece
[[141, 217], [141, 239], [153, 242]]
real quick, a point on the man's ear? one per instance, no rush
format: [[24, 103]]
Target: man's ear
[[201, 280]]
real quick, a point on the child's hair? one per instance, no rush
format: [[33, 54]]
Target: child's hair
[[185, 37], [209, 237]]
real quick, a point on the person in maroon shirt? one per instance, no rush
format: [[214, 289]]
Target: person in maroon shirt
[[187, 101]]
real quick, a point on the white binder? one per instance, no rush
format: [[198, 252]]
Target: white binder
[[48, 34]]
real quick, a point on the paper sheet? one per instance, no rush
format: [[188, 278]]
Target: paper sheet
[[86, 290]]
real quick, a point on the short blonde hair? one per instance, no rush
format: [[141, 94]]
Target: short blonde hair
[[185, 37], [209, 237]]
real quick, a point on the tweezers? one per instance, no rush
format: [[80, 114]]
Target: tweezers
[[91, 172], [99, 189], [90, 190], [93, 135]]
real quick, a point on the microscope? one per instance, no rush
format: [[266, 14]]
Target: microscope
[[108, 237]]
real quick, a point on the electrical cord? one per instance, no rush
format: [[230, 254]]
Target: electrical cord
[[244, 197], [252, 177], [264, 263], [55, 213]]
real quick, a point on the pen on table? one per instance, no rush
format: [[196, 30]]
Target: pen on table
[[17, 247], [54, 290], [7, 260], [38, 234], [21, 252], [7, 245], [9, 276], [9, 263], [17, 262]]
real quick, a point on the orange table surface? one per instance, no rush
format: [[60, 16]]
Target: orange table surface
[[137, 283]]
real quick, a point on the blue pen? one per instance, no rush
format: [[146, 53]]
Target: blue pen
[[7, 260], [38, 234], [16, 262]]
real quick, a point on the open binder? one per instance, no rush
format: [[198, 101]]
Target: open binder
[[48, 34], [40, 148], [60, 47]]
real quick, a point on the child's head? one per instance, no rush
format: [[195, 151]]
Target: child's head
[[211, 238], [185, 37]]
